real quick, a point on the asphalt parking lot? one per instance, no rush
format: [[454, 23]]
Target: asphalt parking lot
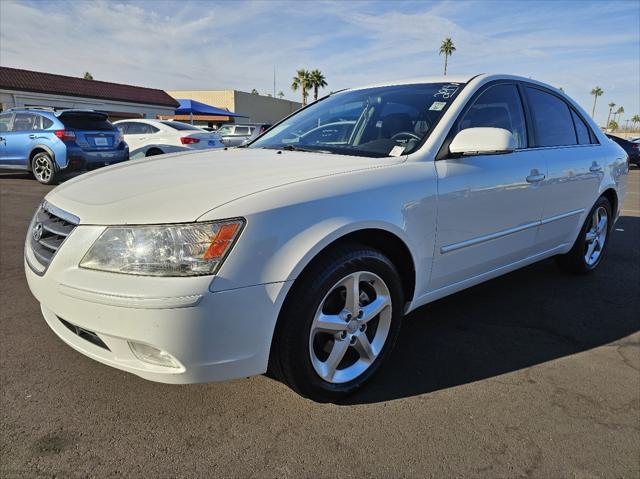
[[534, 374]]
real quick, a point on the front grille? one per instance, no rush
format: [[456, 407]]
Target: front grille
[[85, 334], [49, 228]]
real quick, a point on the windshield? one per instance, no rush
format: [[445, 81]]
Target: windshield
[[375, 122]]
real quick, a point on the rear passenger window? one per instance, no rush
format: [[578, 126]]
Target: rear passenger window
[[25, 122], [242, 130], [582, 130], [552, 119], [139, 129], [498, 107]]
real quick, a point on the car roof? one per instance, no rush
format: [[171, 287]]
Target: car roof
[[451, 79], [52, 111]]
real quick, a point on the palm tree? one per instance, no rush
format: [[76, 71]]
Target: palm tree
[[611, 105], [618, 112], [596, 92], [635, 119], [317, 80], [281, 94], [447, 48], [87, 76], [301, 82], [613, 126]]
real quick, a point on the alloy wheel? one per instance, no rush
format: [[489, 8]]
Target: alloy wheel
[[350, 327], [596, 235], [42, 168]]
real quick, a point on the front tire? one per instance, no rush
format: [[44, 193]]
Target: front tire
[[339, 323], [44, 169], [591, 245]]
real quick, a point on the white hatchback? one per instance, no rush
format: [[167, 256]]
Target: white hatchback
[[301, 253], [156, 137]]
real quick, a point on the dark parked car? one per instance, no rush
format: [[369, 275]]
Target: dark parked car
[[49, 143], [632, 149]]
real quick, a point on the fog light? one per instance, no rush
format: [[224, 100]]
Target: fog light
[[151, 355]]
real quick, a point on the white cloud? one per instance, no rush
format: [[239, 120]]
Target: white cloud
[[210, 45]]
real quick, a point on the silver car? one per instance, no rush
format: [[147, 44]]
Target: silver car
[[236, 135]]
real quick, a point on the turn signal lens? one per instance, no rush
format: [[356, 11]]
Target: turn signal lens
[[221, 241]]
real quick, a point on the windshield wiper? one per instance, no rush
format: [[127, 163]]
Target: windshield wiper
[[299, 148]]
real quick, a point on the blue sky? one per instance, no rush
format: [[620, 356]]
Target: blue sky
[[215, 45]]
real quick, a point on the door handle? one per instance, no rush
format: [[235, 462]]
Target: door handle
[[595, 168], [32, 136], [535, 177]]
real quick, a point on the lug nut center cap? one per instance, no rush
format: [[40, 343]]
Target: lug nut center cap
[[352, 327]]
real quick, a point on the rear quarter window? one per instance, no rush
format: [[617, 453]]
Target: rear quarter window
[[582, 130], [46, 123]]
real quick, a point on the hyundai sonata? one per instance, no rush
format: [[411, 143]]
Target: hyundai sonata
[[301, 253]]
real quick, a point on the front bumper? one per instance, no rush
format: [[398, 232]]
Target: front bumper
[[213, 336]]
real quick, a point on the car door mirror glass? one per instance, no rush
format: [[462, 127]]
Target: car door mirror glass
[[482, 141]]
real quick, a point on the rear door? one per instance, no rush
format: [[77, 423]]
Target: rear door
[[92, 129], [489, 206], [138, 136], [574, 160], [240, 133]]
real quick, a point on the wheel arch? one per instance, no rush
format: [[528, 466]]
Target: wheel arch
[[382, 238], [611, 195], [41, 149], [389, 239], [151, 149]]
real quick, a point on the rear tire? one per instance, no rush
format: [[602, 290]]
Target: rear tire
[[44, 168], [591, 245], [329, 342], [154, 152]]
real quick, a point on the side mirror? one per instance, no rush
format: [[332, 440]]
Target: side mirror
[[482, 141]]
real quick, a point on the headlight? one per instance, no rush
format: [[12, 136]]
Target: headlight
[[163, 250]]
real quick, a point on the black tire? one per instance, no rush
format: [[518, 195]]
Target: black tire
[[44, 169], [154, 152], [575, 260], [291, 356]]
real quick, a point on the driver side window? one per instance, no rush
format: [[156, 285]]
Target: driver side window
[[498, 107]]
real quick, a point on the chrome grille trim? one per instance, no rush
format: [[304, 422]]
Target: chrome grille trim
[[48, 230]]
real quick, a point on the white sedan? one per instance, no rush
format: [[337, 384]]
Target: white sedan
[[301, 253], [156, 137]]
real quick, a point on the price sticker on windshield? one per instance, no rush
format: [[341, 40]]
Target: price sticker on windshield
[[437, 105], [396, 150]]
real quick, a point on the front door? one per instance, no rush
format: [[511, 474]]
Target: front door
[[5, 127], [489, 206]]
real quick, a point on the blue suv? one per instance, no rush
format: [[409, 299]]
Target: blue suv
[[49, 143]]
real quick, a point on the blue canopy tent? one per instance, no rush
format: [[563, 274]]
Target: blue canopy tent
[[192, 107]]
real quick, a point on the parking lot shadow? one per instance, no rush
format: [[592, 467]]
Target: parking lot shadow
[[525, 318]]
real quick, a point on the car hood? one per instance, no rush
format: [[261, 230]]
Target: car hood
[[181, 187]]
